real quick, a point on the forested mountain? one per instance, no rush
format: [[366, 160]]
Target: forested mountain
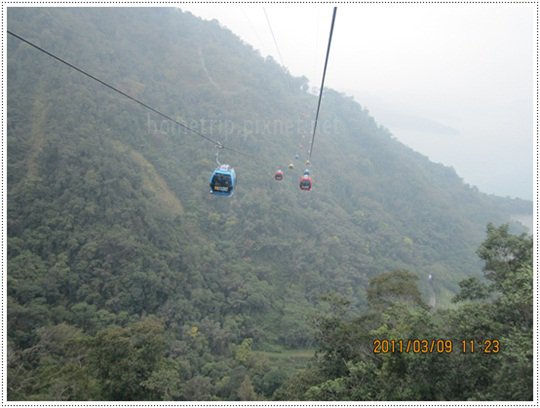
[[128, 280]]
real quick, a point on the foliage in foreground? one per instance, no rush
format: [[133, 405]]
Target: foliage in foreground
[[497, 317], [144, 361]]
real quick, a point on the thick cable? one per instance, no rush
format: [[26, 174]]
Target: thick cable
[[126, 95], [277, 48], [272, 32], [255, 31], [322, 84]]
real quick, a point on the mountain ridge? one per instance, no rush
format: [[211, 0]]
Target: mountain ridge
[[109, 238]]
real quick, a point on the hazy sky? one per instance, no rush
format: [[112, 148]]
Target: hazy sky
[[456, 82]]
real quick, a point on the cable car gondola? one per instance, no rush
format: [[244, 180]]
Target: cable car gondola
[[279, 175], [223, 180], [305, 182], [291, 166]]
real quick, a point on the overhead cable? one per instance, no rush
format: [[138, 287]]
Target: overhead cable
[[219, 144], [322, 84]]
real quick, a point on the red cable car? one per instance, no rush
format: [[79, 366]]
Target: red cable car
[[305, 182], [279, 175]]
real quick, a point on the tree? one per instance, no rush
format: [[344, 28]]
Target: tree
[[129, 361], [390, 288], [54, 368], [503, 253], [497, 317]]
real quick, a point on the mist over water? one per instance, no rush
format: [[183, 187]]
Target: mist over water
[[494, 155]]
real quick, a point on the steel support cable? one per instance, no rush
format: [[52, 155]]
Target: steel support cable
[[322, 84], [219, 144], [255, 31], [274, 38], [277, 48]]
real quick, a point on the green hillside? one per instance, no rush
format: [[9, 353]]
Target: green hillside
[[116, 246]]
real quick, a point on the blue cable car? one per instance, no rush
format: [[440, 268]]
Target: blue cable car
[[223, 180], [307, 172]]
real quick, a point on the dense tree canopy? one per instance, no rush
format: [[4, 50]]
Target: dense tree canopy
[[482, 350], [127, 280]]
